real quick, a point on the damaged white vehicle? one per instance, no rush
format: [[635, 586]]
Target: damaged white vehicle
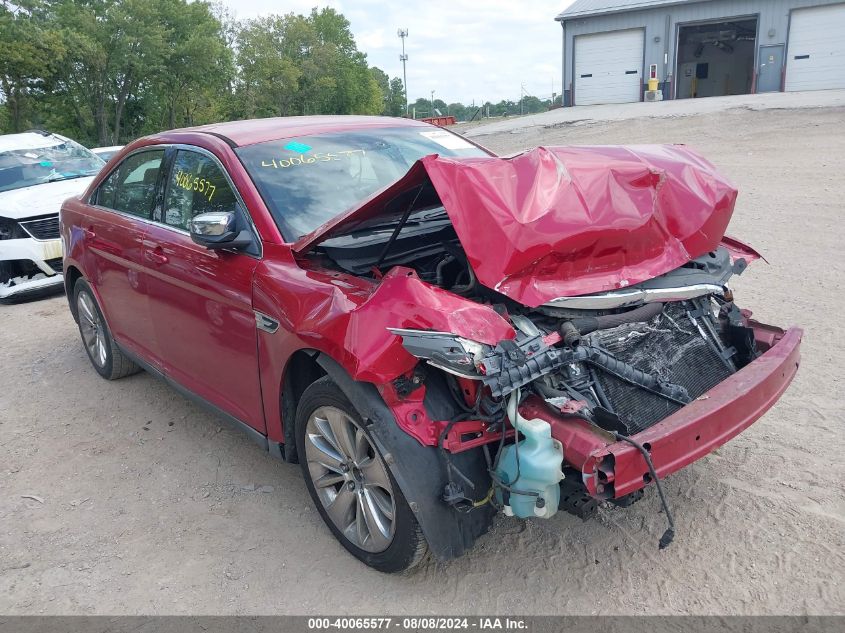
[[38, 171]]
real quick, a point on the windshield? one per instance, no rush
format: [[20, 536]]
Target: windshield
[[58, 159], [308, 180]]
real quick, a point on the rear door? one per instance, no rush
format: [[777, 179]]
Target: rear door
[[113, 230], [200, 299]]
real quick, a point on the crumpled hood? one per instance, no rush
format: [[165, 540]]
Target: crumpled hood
[[27, 202], [566, 221]]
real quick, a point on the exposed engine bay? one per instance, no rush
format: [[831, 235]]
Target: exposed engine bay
[[623, 360], [664, 341]]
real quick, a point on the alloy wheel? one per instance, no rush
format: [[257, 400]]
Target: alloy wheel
[[91, 327], [350, 479]]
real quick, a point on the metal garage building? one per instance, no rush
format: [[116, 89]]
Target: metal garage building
[[700, 48]]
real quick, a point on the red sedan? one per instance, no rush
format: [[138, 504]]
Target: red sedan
[[432, 332]]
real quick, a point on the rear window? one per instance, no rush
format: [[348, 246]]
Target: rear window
[[131, 187], [308, 180]]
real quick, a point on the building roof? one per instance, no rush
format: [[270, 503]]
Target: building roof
[[587, 8]]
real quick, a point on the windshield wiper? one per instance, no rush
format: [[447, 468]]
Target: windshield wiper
[[398, 228], [63, 177], [417, 221]]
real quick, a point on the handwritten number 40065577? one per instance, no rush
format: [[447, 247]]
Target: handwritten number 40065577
[[195, 183], [310, 159]]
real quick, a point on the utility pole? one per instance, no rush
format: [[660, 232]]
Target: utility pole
[[403, 33], [522, 98], [432, 103]]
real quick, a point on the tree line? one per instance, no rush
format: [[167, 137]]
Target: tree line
[[108, 71], [529, 104]]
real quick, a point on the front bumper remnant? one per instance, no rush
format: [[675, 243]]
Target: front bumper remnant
[[613, 469], [29, 266]]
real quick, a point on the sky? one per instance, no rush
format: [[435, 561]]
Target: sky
[[464, 50]]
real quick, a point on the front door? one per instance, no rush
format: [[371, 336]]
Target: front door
[[200, 299], [771, 68]]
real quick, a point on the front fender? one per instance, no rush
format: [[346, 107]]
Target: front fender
[[418, 470], [347, 318]]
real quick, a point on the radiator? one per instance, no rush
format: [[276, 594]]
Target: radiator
[[670, 347]]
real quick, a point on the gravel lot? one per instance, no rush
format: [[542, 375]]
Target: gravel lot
[[150, 507]]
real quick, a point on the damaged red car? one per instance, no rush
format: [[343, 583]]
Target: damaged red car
[[432, 332]]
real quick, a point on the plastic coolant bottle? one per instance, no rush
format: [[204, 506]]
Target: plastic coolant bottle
[[538, 469]]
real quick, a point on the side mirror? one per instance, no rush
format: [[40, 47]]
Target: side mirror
[[219, 230]]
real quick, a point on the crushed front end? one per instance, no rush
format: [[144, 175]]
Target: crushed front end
[[627, 387], [571, 318]]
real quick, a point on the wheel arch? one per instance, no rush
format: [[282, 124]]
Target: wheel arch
[[301, 370], [71, 275], [417, 469]]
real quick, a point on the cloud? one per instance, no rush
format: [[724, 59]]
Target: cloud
[[464, 50], [372, 40]]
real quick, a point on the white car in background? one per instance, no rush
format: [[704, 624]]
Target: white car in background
[[107, 152], [38, 171]]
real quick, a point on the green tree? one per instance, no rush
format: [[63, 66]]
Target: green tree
[[395, 102], [532, 104], [268, 78], [383, 83], [295, 64], [107, 71], [422, 108], [505, 107], [440, 106], [197, 69], [457, 110], [357, 92], [116, 49], [31, 52]]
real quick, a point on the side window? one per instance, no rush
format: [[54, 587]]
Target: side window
[[131, 187], [105, 194], [196, 185]]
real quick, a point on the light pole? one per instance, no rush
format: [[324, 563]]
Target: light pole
[[403, 33], [432, 103]]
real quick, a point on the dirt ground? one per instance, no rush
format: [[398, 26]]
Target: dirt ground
[[150, 507]]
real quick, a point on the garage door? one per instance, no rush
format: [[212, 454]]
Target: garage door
[[816, 53], [609, 67]]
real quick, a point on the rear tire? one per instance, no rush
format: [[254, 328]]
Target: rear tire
[[350, 484], [103, 352]]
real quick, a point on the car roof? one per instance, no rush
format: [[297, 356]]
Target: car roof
[[29, 140], [249, 132]]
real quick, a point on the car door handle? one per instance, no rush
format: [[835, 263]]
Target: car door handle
[[156, 256], [89, 233]]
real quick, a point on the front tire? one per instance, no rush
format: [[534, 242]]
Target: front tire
[[351, 485], [106, 357]]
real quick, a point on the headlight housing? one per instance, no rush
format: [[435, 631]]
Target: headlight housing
[[449, 352]]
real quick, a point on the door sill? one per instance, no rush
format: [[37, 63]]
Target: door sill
[[274, 448]]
